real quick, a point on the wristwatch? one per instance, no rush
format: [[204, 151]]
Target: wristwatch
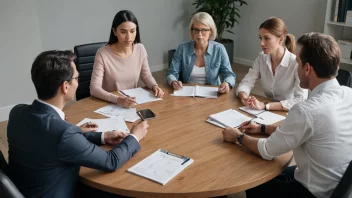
[[266, 106], [240, 138], [262, 129]]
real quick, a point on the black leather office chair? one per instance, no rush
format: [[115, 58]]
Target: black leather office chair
[[170, 57], [7, 188], [84, 62], [344, 188], [344, 77]]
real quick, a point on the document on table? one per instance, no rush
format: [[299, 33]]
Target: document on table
[[268, 118], [251, 111], [108, 124], [142, 95], [229, 118], [161, 166], [200, 91], [112, 110]]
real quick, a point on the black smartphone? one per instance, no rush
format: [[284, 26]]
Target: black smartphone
[[146, 114]]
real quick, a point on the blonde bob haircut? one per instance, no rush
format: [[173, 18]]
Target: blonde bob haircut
[[207, 20]]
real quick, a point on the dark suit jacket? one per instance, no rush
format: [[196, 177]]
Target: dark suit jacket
[[46, 152]]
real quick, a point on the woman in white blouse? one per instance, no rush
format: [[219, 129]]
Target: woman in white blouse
[[276, 66]]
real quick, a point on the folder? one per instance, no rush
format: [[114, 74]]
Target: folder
[[161, 166]]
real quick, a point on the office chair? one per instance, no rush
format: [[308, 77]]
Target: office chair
[[170, 57], [344, 77], [344, 187], [84, 63], [7, 188]]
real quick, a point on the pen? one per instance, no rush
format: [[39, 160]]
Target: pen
[[123, 93], [178, 83], [185, 161]]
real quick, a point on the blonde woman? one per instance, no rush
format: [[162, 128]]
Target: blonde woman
[[201, 60]]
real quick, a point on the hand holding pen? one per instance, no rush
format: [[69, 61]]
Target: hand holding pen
[[127, 102], [177, 85], [250, 127]]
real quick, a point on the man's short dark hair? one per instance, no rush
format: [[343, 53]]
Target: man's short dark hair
[[49, 70], [321, 52]]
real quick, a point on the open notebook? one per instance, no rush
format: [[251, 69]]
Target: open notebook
[[161, 166], [200, 91]]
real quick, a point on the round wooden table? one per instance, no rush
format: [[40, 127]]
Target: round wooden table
[[219, 168]]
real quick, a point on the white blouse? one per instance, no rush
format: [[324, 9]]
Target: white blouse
[[198, 75], [283, 87]]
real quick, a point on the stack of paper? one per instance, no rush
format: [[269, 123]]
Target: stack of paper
[[228, 118], [130, 115], [251, 111], [200, 91], [108, 124], [141, 95]]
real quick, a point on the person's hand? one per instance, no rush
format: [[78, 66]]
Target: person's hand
[[224, 87], [250, 127], [114, 137], [253, 103], [140, 130], [177, 85], [158, 92], [88, 126], [126, 102], [243, 97], [230, 134]]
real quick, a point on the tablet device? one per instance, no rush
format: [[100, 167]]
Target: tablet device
[[146, 114]]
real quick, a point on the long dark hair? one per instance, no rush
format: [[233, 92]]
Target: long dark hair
[[120, 17]]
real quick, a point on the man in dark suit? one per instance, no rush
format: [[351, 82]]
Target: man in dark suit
[[45, 151]]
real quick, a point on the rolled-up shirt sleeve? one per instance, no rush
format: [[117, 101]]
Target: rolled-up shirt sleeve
[[295, 129]]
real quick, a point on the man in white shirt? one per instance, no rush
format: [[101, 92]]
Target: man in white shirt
[[318, 130]]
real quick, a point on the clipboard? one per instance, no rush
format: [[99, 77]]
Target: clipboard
[[161, 166]]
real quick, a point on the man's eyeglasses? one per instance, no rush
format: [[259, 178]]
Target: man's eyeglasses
[[203, 31], [77, 78]]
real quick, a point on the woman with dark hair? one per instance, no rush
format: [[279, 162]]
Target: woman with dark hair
[[276, 66], [122, 62]]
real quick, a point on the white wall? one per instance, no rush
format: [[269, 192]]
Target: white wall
[[19, 44], [300, 16], [66, 23], [28, 27]]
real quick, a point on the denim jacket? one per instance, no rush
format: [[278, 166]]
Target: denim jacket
[[216, 62]]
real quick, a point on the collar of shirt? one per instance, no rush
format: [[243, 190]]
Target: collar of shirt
[[209, 48], [59, 111], [330, 83], [285, 60]]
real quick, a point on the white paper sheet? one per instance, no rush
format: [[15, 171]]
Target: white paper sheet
[[230, 118], [142, 95], [108, 124], [112, 111]]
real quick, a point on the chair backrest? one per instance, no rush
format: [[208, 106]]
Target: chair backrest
[[344, 77], [84, 62], [170, 57], [344, 188], [7, 188]]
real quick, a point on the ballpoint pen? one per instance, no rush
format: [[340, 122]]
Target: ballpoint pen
[[123, 93], [185, 161]]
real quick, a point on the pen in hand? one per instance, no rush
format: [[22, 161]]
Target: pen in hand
[[123, 93]]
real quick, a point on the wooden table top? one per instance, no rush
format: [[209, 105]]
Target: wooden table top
[[219, 168]]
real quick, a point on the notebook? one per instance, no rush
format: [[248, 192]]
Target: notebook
[[251, 111], [108, 124], [229, 118], [142, 95], [161, 166], [200, 91], [232, 118]]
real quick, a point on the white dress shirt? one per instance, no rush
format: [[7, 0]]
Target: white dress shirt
[[319, 130], [283, 87]]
